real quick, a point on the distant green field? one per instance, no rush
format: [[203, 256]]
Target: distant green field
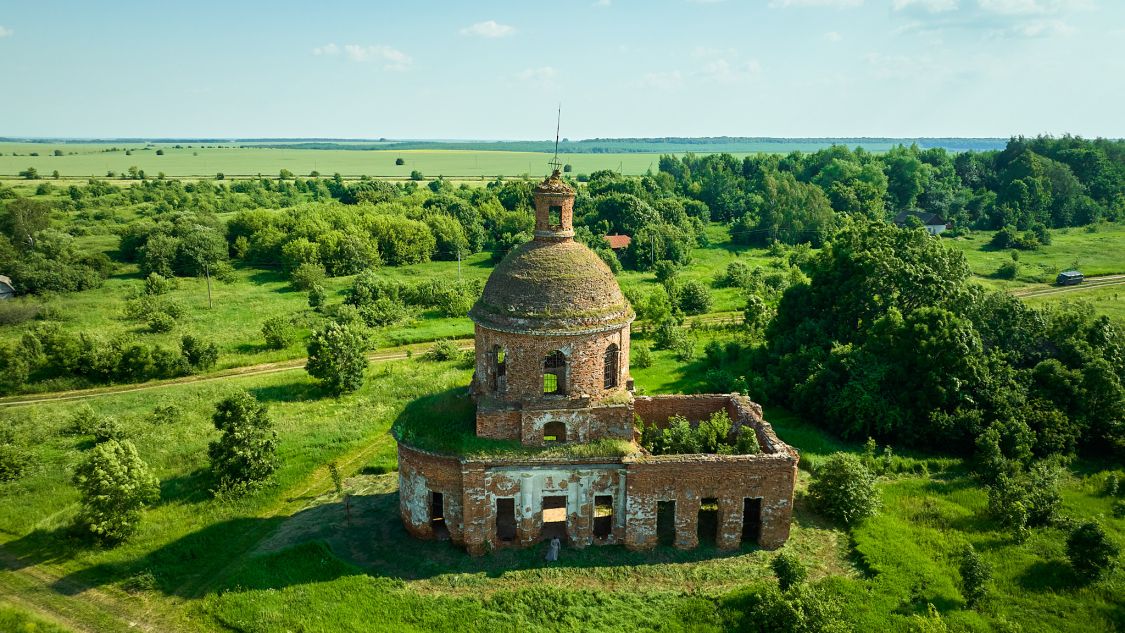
[[90, 160], [1094, 252], [352, 159]]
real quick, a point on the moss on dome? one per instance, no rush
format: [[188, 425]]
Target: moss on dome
[[551, 287]]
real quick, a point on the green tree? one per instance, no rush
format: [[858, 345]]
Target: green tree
[[337, 358], [278, 332], [789, 570], [694, 297], [23, 218], [1090, 550], [975, 574], [115, 484], [199, 354], [246, 453], [844, 489]]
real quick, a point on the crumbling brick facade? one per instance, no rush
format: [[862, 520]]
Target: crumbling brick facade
[[552, 367]]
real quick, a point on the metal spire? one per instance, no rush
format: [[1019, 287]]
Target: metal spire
[[555, 164]]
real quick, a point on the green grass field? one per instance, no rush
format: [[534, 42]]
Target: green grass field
[[290, 558], [90, 160], [1100, 251]]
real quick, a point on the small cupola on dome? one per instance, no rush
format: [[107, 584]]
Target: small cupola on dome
[[554, 210]]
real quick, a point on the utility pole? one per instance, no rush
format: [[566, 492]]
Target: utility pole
[[207, 273]]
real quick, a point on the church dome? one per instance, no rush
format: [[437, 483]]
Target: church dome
[[552, 287]]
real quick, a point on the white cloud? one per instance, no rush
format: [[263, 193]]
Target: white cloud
[[543, 73], [488, 28], [991, 18], [833, 36], [832, 4], [5, 32], [929, 6], [668, 80], [725, 66], [392, 58]]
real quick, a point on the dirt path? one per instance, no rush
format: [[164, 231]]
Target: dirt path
[[384, 355], [1090, 283]]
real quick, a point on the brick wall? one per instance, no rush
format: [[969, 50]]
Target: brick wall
[[688, 479], [419, 475]]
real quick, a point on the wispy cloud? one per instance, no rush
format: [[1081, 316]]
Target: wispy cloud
[[664, 80], [391, 58], [830, 4], [542, 73], [992, 18], [833, 36], [725, 66], [5, 31], [601, 3], [488, 28], [930, 6]]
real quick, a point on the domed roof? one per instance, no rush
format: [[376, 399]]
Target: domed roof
[[545, 287]]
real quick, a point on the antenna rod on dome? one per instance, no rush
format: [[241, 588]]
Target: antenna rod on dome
[[558, 126]]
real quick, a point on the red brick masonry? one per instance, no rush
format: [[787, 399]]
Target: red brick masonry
[[634, 485]]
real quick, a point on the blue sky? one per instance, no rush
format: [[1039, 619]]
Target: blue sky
[[490, 70]]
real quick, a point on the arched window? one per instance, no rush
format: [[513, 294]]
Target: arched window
[[611, 355], [554, 373], [554, 432], [499, 368]]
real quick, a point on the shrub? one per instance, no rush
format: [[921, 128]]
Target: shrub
[[683, 346], [107, 428], [1090, 551], [789, 570], [82, 422], [416, 175], [115, 484], [641, 357], [317, 297], [15, 459], [1112, 485], [307, 275], [278, 332], [246, 454], [337, 358], [443, 350], [156, 284], [1118, 509], [167, 413], [1008, 270], [198, 353], [844, 489], [694, 297], [400, 162], [160, 322], [975, 574]]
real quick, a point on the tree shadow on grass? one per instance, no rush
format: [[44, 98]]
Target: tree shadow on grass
[[319, 544], [1049, 575], [297, 391], [260, 276], [193, 487]]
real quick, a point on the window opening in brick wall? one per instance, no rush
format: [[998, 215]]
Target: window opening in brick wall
[[499, 368], [708, 525], [506, 519], [554, 432], [751, 520], [603, 516], [554, 518], [437, 516], [666, 522], [554, 216], [611, 355], [554, 373]]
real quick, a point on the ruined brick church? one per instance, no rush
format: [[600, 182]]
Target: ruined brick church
[[552, 367]]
